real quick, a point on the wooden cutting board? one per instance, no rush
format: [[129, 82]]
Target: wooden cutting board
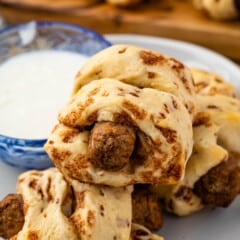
[[165, 18]]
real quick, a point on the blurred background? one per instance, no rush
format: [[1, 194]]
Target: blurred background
[[209, 23]]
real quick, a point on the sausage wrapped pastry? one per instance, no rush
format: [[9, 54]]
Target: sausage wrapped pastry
[[47, 204], [49, 207], [213, 171], [142, 68], [211, 178], [220, 185], [53, 211], [217, 99], [116, 134], [224, 111], [180, 199]]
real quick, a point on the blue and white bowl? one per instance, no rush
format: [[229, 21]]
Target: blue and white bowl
[[29, 153]]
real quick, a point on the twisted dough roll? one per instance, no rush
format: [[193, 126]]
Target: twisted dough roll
[[142, 68], [224, 111], [215, 153], [47, 206], [180, 199], [102, 212], [51, 213], [215, 156], [57, 209], [217, 99], [207, 83], [161, 123]]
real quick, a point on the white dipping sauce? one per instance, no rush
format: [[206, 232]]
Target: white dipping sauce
[[34, 86]]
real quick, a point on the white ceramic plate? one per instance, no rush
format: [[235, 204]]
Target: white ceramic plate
[[220, 224]]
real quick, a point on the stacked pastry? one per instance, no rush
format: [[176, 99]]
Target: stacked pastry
[[137, 130], [128, 122], [213, 170], [128, 125]]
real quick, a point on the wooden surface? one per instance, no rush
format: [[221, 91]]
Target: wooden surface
[[51, 4], [165, 18]]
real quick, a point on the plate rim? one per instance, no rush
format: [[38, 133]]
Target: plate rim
[[138, 38]]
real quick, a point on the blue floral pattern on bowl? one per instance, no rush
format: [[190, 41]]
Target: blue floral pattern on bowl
[[29, 153]]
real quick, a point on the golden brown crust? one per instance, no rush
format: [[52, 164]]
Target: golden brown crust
[[155, 135], [142, 68], [61, 209]]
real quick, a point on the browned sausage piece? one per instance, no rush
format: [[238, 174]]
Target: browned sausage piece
[[111, 145], [220, 186], [11, 215], [146, 208]]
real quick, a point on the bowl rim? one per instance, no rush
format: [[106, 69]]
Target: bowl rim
[[23, 141], [41, 24], [75, 27]]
